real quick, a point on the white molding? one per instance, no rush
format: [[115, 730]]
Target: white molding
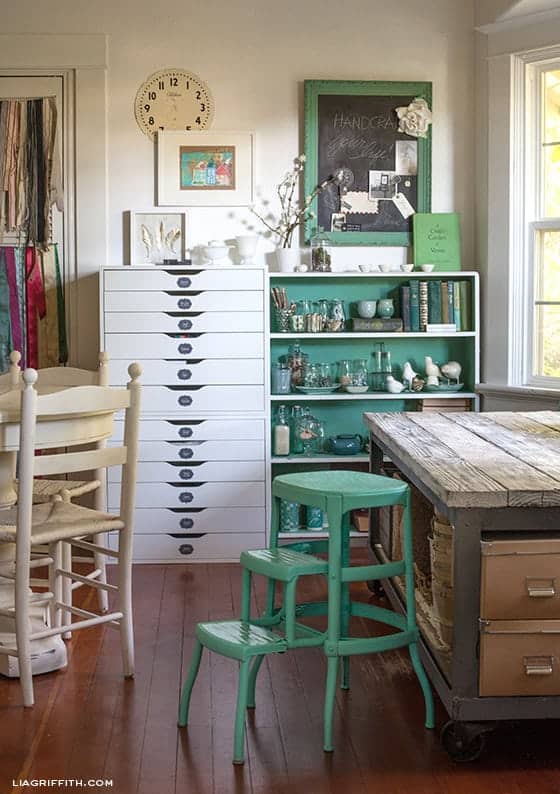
[[522, 21]]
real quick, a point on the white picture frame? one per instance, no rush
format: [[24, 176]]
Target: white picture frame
[[206, 168], [156, 235]]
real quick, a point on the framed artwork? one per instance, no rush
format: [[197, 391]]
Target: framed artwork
[[377, 137], [205, 169], [156, 237]]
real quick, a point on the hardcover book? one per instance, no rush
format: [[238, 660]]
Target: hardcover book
[[377, 324], [437, 240], [414, 306], [405, 307], [434, 301], [423, 304]]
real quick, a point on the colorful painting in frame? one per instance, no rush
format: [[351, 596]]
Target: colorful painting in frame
[[204, 168], [207, 167]]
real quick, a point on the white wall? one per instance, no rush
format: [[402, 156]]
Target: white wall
[[254, 55]]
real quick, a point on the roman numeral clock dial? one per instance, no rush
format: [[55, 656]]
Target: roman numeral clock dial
[[173, 99]]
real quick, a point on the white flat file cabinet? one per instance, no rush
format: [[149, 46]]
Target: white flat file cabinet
[[199, 336]]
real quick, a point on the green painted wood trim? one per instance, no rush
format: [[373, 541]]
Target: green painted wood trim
[[376, 644], [312, 90], [361, 573], [370, 611]]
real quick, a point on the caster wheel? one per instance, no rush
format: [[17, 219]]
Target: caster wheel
[[461, 742], [376, 588]]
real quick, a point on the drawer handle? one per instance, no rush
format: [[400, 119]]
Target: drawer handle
[[185, 349], [186, 474], [185, 399], [186, 548], [540, 588], [184, 374], [184, 303], [185, 325], [538, 665], [186, 497], [186, 523], [186, 432], [186, 452], [184, 282]]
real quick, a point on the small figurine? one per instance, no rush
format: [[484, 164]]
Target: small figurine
[[408, 374], [418, 383], [452, 370], [432, 371], [394, 386]]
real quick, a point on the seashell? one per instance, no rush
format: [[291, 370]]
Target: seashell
[[171, 238], [301, 268], [146, 239], [417, 383]]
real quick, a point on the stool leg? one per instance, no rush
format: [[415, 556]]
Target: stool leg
[[330, 692], [408, 554], [246, 596], [188, 685], [239, 736], [255, 667], [290, 608], [345, 596]]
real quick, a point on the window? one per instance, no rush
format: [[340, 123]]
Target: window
[[542, 224]]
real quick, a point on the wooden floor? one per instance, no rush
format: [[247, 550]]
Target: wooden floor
[[90, 723]]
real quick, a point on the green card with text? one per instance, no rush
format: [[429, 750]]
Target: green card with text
[[437, 240]]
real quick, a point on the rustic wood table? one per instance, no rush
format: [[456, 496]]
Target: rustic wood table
[[485, 472]]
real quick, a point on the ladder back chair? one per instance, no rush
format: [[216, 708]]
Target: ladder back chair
[[68, 419]]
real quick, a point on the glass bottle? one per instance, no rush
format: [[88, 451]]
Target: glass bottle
[[320, 252], [296, 444], [281, 432], [297, 361], [344, 375]]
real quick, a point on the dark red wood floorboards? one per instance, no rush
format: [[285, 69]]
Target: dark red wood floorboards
[[90, 723]]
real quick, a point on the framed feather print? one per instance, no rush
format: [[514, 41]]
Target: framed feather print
[[156, 238]]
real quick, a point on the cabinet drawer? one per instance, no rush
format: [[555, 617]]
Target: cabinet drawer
[[520, 657], [198, 430], [219, 279], [520, 579], [200, 451], [223, 494], [214, 471], [203, 398], [153, 322], [150, 520], [212, 547], [207, 372], [184, 302], [135, 346]]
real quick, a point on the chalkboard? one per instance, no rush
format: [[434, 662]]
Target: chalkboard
[[353, 126]]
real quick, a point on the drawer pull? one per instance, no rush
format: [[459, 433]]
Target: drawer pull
[[186, 548], [186, 432], [185, 325], [185, 348], [184, 303], [184, 282], [540, 588], [186, 497], [186, 523], [184, 374], [538, 665], [186, 452], [185, 399], [186, 474]]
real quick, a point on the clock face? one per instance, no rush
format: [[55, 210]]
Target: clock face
[[173, 99]]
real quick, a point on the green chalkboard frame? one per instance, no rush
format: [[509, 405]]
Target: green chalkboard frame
[[313, 89]]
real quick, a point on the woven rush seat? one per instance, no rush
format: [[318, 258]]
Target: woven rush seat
[[59, 520], [44, 490], [282, 564], [239, 640]]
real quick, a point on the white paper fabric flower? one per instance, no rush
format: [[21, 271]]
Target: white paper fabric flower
[[414, 119]]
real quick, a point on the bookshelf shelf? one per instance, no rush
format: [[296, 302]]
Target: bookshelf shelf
[[370, 335]]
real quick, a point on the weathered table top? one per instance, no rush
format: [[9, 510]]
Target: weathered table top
[[482, 460]]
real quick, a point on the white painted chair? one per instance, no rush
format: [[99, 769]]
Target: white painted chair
[[70, 418], [45, 489]]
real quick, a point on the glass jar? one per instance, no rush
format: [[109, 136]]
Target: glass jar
[[337, 314], [303, 306], [312, 376], [297, 361], [296, 445], [344, 375], [281, 432], [310, 432], [359, 372], [381, 367], [281, 378], [326, 377], [320, 252]]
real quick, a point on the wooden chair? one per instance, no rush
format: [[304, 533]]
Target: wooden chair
[[70, 418]]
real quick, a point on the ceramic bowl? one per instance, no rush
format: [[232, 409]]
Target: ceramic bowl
[[385, 268], [215, 252], [364, 268], [407, 268], [366, 309], [426, 268]]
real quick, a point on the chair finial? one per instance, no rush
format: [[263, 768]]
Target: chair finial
[[134, 370], [15, 357], [30, 376]]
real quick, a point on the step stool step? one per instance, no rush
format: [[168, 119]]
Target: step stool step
[[282, 564], [239, 640]]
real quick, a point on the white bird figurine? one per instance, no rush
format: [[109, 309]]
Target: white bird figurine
[[408, 374], [432, 371], [452, 370], [394, 386]]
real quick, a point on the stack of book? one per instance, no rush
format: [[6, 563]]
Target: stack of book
[[443, 405], [436, 306]]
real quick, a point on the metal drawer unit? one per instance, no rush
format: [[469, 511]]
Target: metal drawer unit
[[199, 337]]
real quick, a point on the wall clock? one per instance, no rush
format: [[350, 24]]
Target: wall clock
[[173, 99]]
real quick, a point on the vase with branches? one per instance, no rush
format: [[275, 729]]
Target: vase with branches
[[293, 212]]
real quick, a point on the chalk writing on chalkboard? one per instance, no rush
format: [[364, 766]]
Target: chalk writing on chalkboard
[[360, 134]]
